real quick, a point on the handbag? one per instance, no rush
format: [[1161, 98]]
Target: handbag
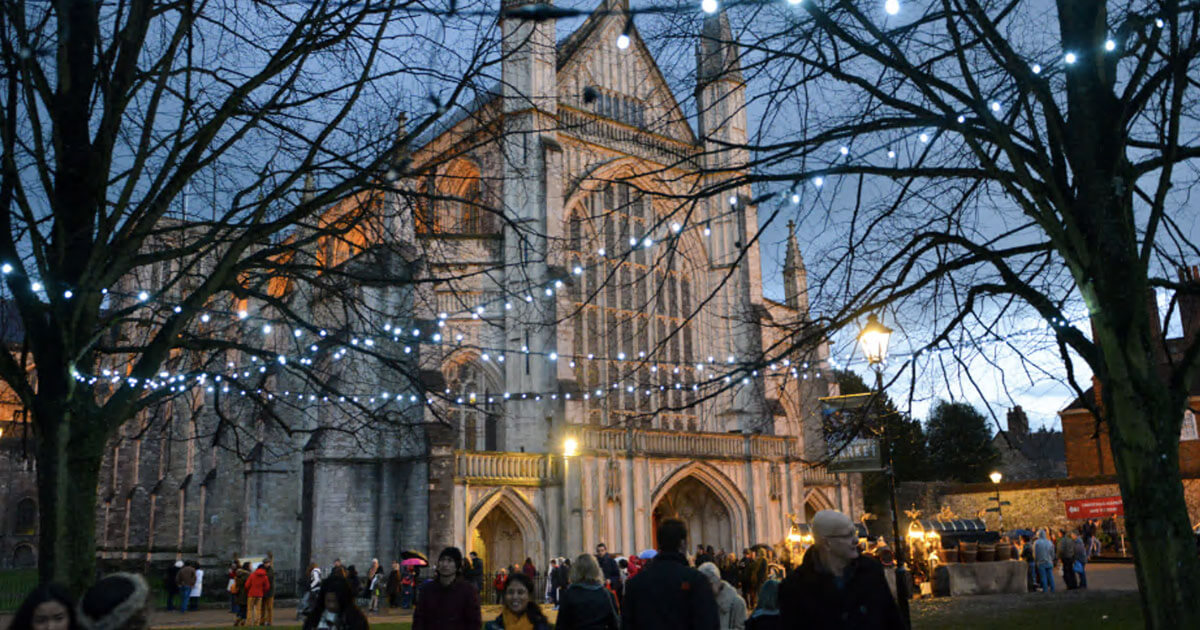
[[1078, 566]]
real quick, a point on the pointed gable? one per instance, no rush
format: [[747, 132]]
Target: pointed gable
[[623, 85]]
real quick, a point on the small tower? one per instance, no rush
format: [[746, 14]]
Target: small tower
[[532, 206], [795, 276]]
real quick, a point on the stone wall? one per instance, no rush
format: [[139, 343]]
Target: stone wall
[[18, 482], [1033, 504]]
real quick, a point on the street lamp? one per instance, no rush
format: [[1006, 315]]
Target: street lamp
[[996, 477], [570, 447], [874, 339]]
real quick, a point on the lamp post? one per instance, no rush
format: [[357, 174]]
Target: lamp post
[[996, 477], [874, 339]]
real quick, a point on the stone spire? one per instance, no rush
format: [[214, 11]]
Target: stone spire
[[795, 276], [717, 52]]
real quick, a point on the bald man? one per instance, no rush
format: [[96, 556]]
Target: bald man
[[835, 587]]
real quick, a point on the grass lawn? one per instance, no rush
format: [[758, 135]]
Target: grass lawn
[[1061, 611]]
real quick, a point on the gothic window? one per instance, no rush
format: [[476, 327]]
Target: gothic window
[[455, 202], [631, 303], [25, 523], [476, 417]]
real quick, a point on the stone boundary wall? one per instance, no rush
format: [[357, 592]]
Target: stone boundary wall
[[1040, 503]]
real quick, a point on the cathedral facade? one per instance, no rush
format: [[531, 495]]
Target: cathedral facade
[[602, 355]]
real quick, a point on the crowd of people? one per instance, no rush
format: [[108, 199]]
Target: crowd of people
[[1071, 551], [835, 586]]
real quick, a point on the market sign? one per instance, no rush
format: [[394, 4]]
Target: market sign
[[850, 445], [1097, 507]]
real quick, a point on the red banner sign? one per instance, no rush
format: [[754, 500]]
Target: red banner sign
[[1098, 507]]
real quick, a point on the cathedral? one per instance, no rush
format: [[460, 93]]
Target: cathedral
[[602, 356]]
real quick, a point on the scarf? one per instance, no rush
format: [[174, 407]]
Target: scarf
[[513, 621], [328, 620]]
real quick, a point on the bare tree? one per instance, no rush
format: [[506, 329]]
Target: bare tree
[[976, 164], [199, 211]]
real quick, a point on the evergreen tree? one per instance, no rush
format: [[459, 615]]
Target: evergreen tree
[[960, 443]]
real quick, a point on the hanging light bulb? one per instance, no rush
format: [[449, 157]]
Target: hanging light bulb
[[1110, 45], [924, 138], [622, 41], [6, 268], [892, 7], [818, 181], [709, 6], [1070, 58], [1037, 68]]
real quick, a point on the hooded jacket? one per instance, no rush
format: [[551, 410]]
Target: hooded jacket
[[258, 583], [587, 607]]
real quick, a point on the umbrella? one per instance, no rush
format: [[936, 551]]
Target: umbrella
[[413, 562], [410, 554], [647, 554]]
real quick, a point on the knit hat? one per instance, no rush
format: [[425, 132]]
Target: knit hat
[[455, 554], [117, 602], [711, 572]]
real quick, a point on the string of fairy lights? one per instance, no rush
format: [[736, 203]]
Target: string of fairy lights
[[312, 344]]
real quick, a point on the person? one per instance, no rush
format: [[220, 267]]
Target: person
[[308, 601], [448, 602], [745, 568], [474, 571], [256, 589], [375, 584], [766, 615], [519, 610], [353, 580], [118, 602], [197, 588], [231, 585], [1081, 560], [731, 608], [337, 569], [608, 566], [335, 608], [1066, 555], [408, 587], [498, 584], [835, 587], [1043, 556], [528, 569], [243, 600], [560, 580], [47, 607], [1031, 579], [702, 556], [668, 594], [170, 585], [268, 602], [550, 569], [393, 585], [185, 580], [585, 604]]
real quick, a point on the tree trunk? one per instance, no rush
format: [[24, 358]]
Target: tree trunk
[[1156, 514], [68, 468]]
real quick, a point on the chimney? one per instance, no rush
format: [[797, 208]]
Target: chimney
[[1189, 301], [1018, 423]]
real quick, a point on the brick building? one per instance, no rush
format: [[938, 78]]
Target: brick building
[[1087, 447]]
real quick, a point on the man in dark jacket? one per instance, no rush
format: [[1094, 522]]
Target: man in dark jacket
[[668, 594], [836, 587], [473, 571], [171, 586], [608, 567], [448, 602]]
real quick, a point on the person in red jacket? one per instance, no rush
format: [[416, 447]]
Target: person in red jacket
[[448, 602], [257, 586]]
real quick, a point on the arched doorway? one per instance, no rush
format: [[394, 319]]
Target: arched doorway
[[24, 557], [707, 517], [498, 540]]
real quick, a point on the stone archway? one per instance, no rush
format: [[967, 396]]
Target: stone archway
[[504, 530], [498, 540], [719, 492], [814, 502], [706, 515]]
